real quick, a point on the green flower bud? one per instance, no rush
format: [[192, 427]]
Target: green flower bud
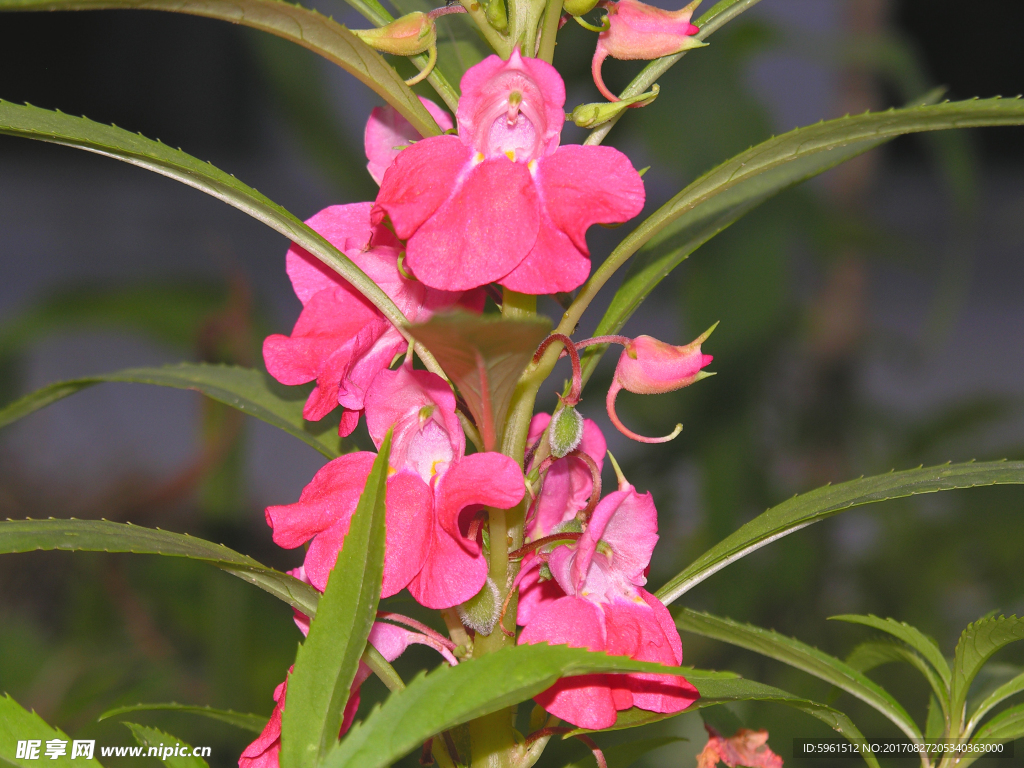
[[591, 115], [565, 432], [579, 7], [406, 36], [480, 613]]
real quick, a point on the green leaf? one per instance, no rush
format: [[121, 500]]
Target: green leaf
[[326, 665], [304, 26], [869, 655], [1006, 726], [254, 723], [624, 755], [808, 508], [18, 724], [977, 644], [57, 128], [484, 356], [152, 738], [105, 536], [677, 228], [1003, 692], [450, 696], [935, 721], [802, 657], [912, 636], [716, 690], [250, 391]]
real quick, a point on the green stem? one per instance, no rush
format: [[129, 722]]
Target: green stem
[[380, 667], [549, 31]]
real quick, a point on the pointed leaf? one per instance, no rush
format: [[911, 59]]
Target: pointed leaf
[[304, 26], [154, 739], [803, 657], [718, 690], [254, 723], [484, 356], [977, 644], [912, 636], [55, 127], [805, 509], [679, 227], [869, 655], [250, 391], [624, 755], [450, 696], [1003, 692], [326, 665], [105, 536], [18, 724]]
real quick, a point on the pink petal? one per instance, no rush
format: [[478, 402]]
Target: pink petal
[[535, 595], [407, 535], [481, 232], [386, 130], [553, 264], [419, 181], [584, 185], [453, 572], [628, 522], [487, 479], [585, 701], [330, 497]]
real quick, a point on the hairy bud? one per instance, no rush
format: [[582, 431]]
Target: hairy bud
[[480, 612], [565, 432]]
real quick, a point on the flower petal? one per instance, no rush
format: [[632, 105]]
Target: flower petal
[[419, 180], [488, 479], [554, 264], [451, 574], [584, 185], [408, 520], [481, 232], [386, 130]]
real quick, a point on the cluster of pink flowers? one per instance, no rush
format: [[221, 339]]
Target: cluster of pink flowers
[[499, 202]]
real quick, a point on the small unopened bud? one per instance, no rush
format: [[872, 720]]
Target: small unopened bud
[[565, 432], [640, 31], [578, 7], [480, 613], [650, 367], [405, 36], [590, 115], [496, 15]]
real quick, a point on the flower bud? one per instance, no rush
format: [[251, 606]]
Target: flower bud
[[651, 367], [480, 613], [565, 432], [590, 115], [578, 7], [640, 31], [405, 36]]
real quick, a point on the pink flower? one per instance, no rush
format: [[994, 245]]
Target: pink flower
[[502, 201], [745, 748], [650, 367], [640, 31], [389, 639], [600, 604], [340, 339], [432, 494], [387, 132]]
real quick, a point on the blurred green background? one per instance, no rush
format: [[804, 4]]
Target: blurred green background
[[870, 320]]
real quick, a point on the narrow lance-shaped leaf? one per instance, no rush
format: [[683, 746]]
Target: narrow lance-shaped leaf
[[796, 146], [977, 644], [912, 636], [18, 724], [1003, 692], [803, 657], [871, 654], [721, 690], [484, 357], [170, 750], [105, 536], [254, 723], [294, 23], [450, 696], [808, 508], [57, 128], [326, 665], [250, 391]]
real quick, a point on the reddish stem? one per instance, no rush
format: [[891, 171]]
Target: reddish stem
[[595, 474], [623, 340], [398, 618], [526, 549], [445, 10], [577, 372]]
